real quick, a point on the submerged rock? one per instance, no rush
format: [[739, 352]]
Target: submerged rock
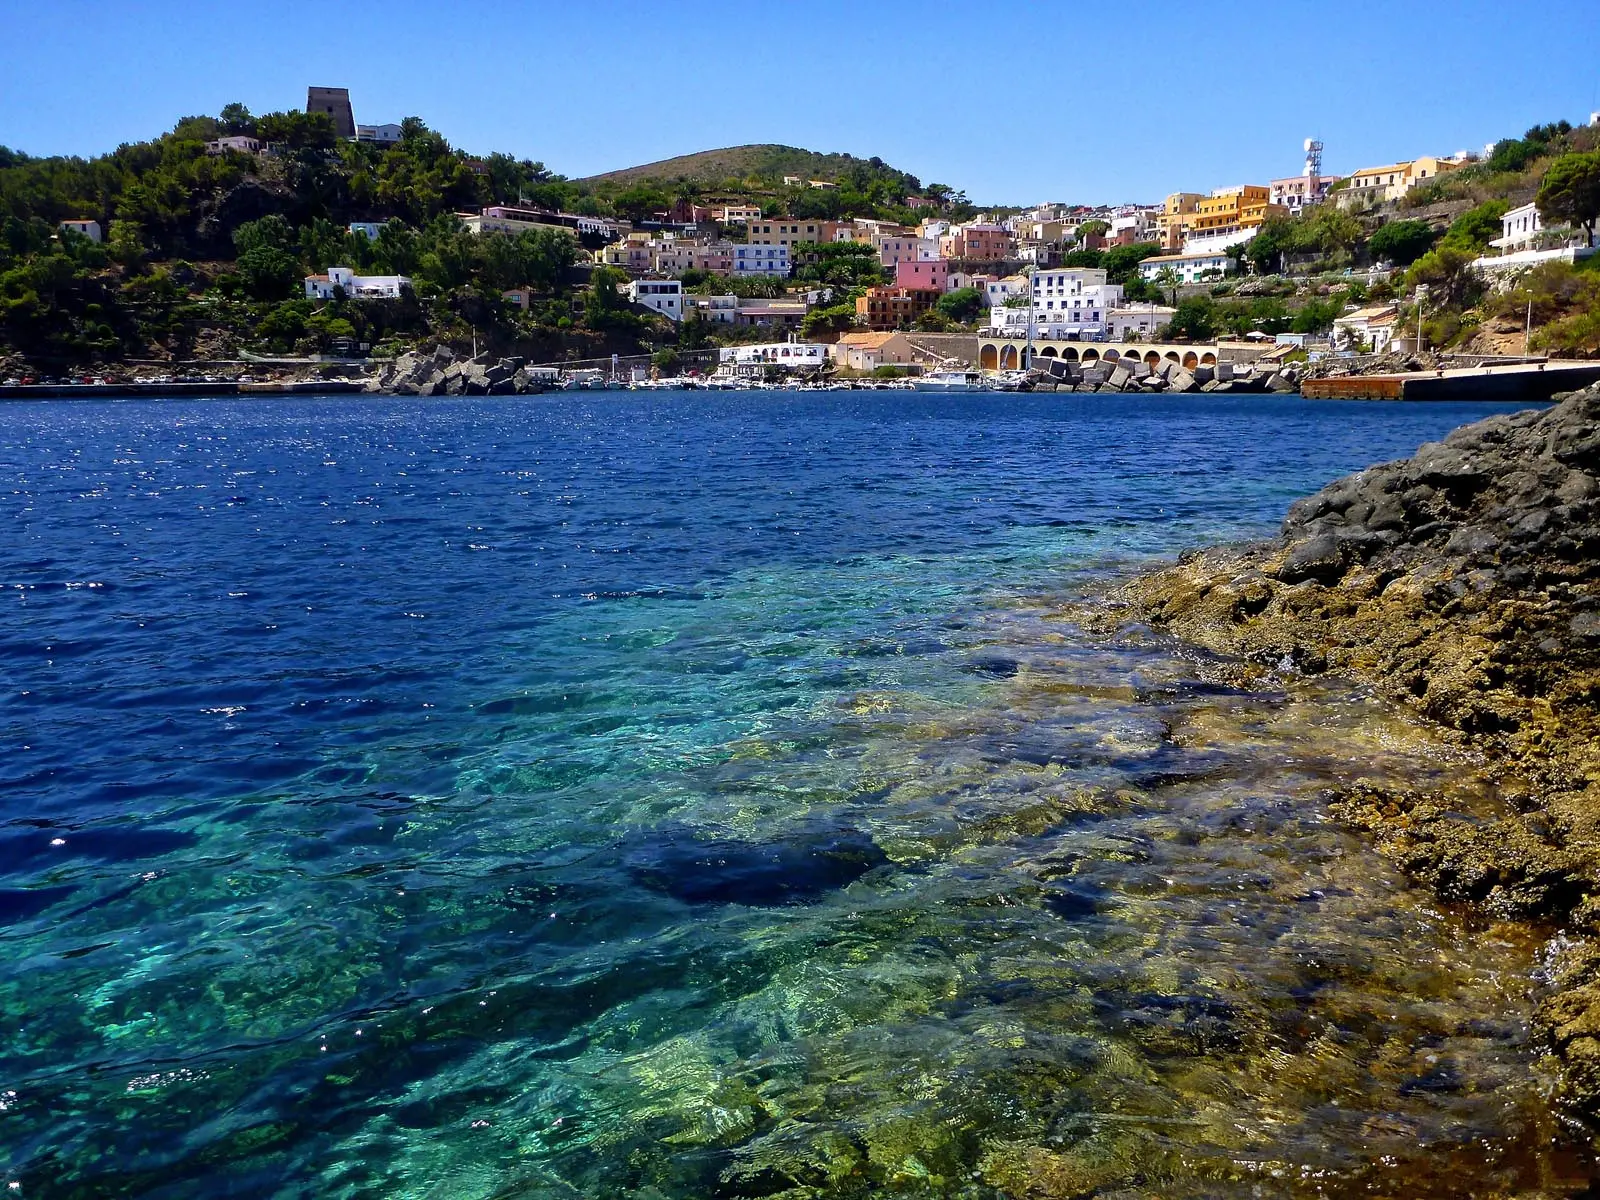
[[1464, 581], [796, 869]]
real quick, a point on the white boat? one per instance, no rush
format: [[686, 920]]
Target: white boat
[[950, 381]]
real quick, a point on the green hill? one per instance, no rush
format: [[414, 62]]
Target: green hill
[[741, 162]]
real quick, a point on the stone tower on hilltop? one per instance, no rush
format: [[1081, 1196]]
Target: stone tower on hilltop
[[335, 102]]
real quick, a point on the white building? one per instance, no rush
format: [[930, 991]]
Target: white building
[[998, 291], [363, 287], [1068, 302], [894, 249], [794, 355], [367, 229], [1519, 228], [84, 225], [738, 214], [1218, 243], [1189, 268], [383, 135], [664, 296], [243, 145], [1367, 328], [1138, 322], [761, 260]]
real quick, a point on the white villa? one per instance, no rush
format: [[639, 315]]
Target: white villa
[[664, 296], [84, 225], [356, 287]]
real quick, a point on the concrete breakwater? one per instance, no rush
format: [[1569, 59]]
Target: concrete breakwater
[[1517, 383], [1464, 582]]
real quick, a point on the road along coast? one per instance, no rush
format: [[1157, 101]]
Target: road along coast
[[1464, 582]]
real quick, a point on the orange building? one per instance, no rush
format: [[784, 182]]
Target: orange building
[[884, 308], [1234, 210]]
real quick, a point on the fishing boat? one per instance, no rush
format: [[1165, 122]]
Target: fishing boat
[[950, 381]]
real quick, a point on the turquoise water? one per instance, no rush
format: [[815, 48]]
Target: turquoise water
[[671, 796]]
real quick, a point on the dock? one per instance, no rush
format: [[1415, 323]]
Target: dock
[[1522, 383]]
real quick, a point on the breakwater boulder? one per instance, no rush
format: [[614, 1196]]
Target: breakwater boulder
[[442, 373], [1464, 581], [1133, 375]]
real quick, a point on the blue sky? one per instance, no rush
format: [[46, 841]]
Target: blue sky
[[1015, 102]]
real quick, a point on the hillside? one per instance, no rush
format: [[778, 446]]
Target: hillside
[[739, 162]]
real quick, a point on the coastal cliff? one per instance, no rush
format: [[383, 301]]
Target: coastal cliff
[[1464, 581]]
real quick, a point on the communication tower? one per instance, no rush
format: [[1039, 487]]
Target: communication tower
[[1313, 158]]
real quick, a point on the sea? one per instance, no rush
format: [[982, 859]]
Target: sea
[[667, 795]]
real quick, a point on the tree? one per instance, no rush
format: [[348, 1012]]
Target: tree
[[1402, 242], [1570, 193], [1121, 263], [604, 305], [1091, 229], [126, 244], [1477, 227], [1446, 270], [1274, 237], [963, 304], [840, 318], [1195, 319], [236, 120]]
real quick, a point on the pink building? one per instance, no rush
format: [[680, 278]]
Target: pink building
[[934, 274], [978, 243]]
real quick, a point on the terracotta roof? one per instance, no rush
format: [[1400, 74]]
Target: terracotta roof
[[865, 341]]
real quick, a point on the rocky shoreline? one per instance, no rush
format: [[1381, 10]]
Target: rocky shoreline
[[1464, 582]]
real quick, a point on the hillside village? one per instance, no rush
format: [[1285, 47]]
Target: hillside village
[[305, 235]]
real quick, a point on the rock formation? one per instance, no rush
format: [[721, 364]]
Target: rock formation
[[1464, 581]]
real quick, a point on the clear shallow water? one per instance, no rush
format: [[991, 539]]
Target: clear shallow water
[[697, 795]]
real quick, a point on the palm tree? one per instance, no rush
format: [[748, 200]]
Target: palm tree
[[1168, 278]]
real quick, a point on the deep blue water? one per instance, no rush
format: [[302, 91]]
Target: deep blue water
[[678, 795]]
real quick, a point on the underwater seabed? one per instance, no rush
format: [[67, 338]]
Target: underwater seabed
[[1088, 931]]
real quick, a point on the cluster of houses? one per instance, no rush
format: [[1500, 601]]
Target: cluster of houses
[[1014, 262]]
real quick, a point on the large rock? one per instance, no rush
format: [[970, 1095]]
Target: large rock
[[1181, 381], [1119, 378], [1464, 581]]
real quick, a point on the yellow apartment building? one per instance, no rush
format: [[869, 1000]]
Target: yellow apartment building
[[1234, 210], [1172, 222]]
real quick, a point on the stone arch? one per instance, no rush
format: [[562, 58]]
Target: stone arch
[[1172, 356], [1048, 352], [1111, 355], [1008, 358], [1152, 360], [1090, 356], [1070, 354], [1191, 360], [988, 358], [1208, 359]]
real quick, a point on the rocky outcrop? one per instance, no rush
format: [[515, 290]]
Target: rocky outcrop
[[1464, 581], [441, 373]]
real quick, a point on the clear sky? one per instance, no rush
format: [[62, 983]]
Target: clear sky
[[1014, 102]]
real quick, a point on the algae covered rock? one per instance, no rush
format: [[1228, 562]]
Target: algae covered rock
[[1465, 582]]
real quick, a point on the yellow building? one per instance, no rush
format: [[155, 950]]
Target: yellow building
[[1234, 210], [1392, 181], [1172, 222]]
